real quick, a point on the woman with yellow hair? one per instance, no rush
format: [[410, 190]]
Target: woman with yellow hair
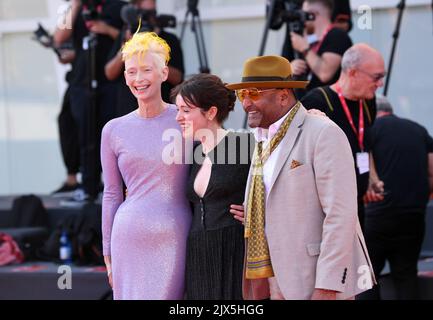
[[144, 235]]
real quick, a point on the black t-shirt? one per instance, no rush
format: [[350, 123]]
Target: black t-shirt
[[336, 41], [126, 100], [400, 149], [316, 100], [70, 74], [111, 15]]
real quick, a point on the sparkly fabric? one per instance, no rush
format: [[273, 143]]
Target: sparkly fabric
[[145, 234], [258, 258]]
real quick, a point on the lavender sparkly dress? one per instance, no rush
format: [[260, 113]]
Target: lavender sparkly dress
[[145, 234]]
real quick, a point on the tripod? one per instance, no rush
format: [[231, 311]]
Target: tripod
[[267, 27], [196, 28], [291, 26], [396, 34], [91, 149], [264, 40]]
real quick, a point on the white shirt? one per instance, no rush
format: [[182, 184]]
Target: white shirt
[[266, 136]]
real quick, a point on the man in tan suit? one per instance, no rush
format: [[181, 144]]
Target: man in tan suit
[[303, 239]]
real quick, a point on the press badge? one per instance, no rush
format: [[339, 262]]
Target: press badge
[[363, 162], [86, 43]]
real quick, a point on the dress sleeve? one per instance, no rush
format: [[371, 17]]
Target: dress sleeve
[[113, 187]]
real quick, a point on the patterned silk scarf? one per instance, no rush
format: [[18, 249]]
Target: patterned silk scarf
[[258, 257]]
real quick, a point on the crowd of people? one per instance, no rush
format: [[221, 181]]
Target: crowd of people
[[309, 204]]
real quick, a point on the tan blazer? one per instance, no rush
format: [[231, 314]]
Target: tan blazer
[[312, 225]]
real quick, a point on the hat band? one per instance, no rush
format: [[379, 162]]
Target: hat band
[[256, 79]]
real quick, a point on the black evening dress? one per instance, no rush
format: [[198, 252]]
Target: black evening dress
[[215, 247]]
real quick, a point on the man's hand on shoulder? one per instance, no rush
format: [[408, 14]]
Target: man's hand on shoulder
[[317, 112]]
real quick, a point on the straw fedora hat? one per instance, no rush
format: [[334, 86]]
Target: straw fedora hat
[[267, 72]]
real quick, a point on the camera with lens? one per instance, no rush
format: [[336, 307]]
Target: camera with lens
[[290, 11], [146, 20], [92, 9], [42, 36]]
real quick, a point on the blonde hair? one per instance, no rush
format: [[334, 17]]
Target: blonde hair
[[147, 42]]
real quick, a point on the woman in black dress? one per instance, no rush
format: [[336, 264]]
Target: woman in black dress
[[216, 188]]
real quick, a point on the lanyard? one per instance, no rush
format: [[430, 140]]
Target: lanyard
[[360, 134], [317, 46]]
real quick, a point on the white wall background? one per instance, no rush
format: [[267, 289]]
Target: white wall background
[[31, 79]]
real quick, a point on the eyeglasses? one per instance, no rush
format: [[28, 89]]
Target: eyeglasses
[[253, 93], [375, 77]]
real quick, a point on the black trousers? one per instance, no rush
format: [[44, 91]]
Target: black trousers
[[396, 236], [80, 100], [68, 133]]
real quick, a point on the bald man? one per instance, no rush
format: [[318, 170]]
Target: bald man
[[350, 103]]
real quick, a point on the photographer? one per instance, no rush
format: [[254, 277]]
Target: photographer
[[341, 18], [126, 102], [322, 59], [95, 26], [68, 131]]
